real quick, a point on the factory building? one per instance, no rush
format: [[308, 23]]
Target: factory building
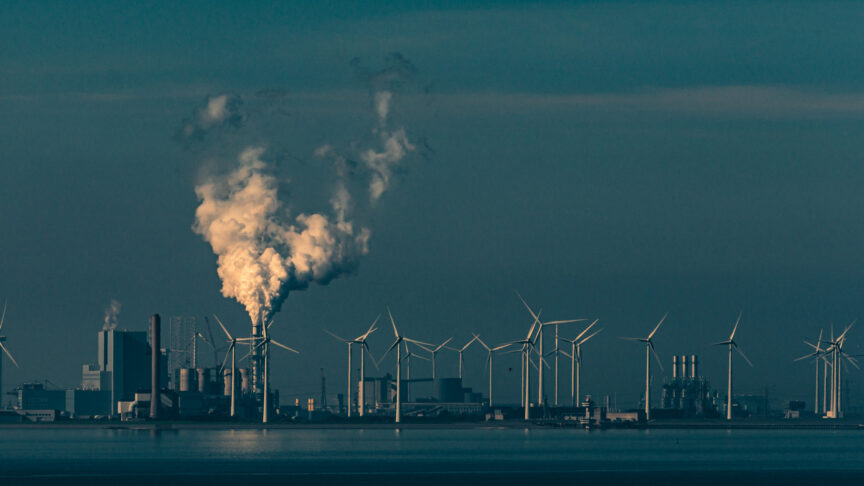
[[688, 394], [34, 396]]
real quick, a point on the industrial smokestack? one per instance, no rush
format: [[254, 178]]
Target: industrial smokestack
[[674, 367], [694, 367], [155, 361], [683, 366]]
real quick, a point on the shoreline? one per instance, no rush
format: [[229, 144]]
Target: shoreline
[[503, 425]]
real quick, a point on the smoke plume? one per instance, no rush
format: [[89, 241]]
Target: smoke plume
[[263, 250], [261, 257], [112, 311], [218, 111]]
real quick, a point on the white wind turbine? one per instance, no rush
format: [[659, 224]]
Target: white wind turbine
[[526, 345], [576, 360], [649, 350], [539, 337], [490, 353], [460, 351], [817, 355], [264, 343], [232, 350], [835, 348], [6, 351], [433, 352], [361, 340], [399, 340], [409, 356], [732, 345]]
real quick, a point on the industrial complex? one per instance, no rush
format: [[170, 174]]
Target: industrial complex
[[138, 375]]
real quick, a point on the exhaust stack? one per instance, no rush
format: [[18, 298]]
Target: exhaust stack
[[155, 361]]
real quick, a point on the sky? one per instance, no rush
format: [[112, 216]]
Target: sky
[[609, 160]]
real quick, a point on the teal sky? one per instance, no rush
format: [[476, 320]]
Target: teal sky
[[607, 159]]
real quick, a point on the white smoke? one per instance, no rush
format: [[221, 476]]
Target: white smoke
[[112, 311], [395, 145], [262, 257], [218, 111]]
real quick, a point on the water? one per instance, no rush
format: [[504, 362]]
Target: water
[[428, 456]]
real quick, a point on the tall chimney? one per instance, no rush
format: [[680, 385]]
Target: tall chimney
[[674, 366], [155, 361], [694, 367], [683, 366]]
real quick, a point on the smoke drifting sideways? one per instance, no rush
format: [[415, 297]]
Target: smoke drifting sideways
[[112, 312], [217, 111], [263, 251]]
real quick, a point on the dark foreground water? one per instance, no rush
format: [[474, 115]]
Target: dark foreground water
[[413, 457]]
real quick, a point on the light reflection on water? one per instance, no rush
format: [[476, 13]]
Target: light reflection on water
[[438, 450]]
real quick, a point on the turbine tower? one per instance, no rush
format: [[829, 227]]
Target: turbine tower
[[5, 351], [264, 345], [649, 350], [399, 339], [232, 351], [361, 340], [732, 345], [576, 360]]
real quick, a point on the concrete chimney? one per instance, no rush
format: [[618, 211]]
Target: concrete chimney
[[683, 373], [694, 367], [155, 361], [674, 366]]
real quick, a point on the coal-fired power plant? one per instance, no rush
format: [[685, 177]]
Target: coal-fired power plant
[[155, 361]]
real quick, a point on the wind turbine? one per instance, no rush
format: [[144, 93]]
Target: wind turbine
[[460, 351], [649, 350], [399, 339], [817, 355], [232, 350], [540, 398], [835, 347], [408, 358], [576, 360], [264, 344], [6, 351], [491, 352], [361, 340], [434, 353], [732, 345], [526, 345]]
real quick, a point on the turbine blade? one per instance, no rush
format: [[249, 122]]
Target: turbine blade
[[811, 355], [277, 343], [585, 330], [393, 322], [590, 336], [225, 359], [658, 326], [732, 336], [482, 343], [440, 346], [224, 329], [372, 327], [535, 316], [742, 355], [632, 339], [565, 353], [469, 343], [9, 354], [3, 318], [659, 363], [568, 321], [721, 343], [335, 336], [501, 346]]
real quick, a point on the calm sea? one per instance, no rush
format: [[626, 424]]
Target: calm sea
[[413, 457]]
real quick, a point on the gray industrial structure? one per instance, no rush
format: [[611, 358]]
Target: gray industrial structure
[[688, 393]]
